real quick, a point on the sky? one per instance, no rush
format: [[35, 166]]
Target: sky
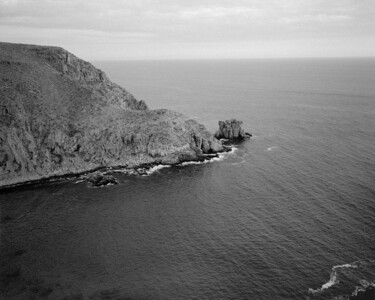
[[193, 29]]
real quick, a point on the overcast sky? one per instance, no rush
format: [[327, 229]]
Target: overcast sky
[[147, 29]]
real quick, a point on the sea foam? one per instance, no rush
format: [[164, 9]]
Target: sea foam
[[364, 286], [156, 169], [221, 156], [333, 279]]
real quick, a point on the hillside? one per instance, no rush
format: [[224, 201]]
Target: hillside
[[59, 115]]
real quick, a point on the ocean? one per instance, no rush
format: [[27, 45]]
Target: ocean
[[288, 214]]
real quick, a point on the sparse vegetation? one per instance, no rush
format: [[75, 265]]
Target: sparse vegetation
[[60, 115]]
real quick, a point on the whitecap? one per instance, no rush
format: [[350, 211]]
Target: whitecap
[[187, 163], [104, 185], [125, 171], [221, 156], [352, 265], [364, 285], [333, 279], [156, 168], [224, 155], [143, 171]]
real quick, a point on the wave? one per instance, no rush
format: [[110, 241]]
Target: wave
[[187, 163], [365, 287], [147, 171], [156, 169], [143, 171], [221, 156], [339, 270], [79, 181], [333, 278]]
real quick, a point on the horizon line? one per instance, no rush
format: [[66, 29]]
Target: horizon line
[[231, 59]]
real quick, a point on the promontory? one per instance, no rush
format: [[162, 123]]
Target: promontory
[[59, 115]]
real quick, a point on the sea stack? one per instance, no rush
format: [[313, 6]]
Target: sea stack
[[231, 130], [59, 115]]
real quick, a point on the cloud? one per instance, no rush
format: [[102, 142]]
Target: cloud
[[188, 23], [219, 12], [320, 18]]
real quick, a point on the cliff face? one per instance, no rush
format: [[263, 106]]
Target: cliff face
[[60, 115]]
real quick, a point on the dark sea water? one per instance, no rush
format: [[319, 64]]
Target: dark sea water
[[289, 214]]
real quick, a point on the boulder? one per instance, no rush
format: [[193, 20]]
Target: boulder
[[97, 179]]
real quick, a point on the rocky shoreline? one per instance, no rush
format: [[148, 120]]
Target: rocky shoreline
[[61, 117], [90, 175]]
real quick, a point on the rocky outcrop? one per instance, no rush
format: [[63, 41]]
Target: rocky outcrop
[[231, 129], [60, 115], [98, 179]]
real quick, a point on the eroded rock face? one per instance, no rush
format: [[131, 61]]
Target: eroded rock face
[[60, 115], [231, 129]]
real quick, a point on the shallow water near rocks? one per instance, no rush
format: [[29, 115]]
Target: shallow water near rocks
[[284, 216]]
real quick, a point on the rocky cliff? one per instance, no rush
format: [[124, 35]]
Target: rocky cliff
[[60, 115]]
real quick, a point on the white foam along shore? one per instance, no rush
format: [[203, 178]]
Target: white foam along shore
[[156, 168], [144, 171], [221, 156]]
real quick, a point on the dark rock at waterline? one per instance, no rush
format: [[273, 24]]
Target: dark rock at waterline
[[61, 116], [232, 130], [97, 179]]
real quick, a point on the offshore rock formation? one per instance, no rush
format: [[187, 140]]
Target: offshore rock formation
[[59, 115], [231, 129]]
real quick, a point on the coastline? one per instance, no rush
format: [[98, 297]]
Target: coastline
[[79, 121], [108, 169]]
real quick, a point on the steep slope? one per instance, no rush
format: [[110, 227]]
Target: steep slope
[[60, 115]]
